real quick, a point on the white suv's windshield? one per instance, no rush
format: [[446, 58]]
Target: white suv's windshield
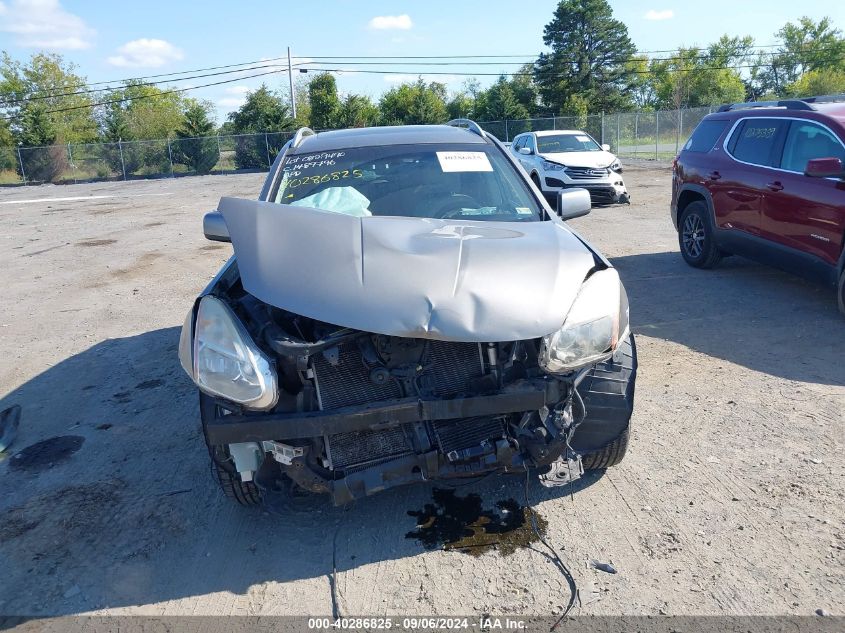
[[578, 142], [466, 181]]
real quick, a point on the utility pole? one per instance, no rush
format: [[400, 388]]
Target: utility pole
[[290, 79]]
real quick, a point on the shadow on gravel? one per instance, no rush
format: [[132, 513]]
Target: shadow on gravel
[[745, 313], [129, 515]]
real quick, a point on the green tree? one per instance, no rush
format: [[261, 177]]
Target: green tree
[[691, 79], [324, 102], [499, 102], [265, 118], [8, 159], [357, 111], [49, 80], [807, 46], [461, 106], [43, 160], [589, 53], [417, 103], [825, 81], [195, 144]]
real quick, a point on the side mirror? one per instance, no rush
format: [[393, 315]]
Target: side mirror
[[573, 203], [214, 227], [824, 168], [605, 147], [525, 150]]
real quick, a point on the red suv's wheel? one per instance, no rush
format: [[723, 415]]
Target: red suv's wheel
[[695, 237]]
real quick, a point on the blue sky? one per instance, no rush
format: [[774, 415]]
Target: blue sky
[[110, 40]]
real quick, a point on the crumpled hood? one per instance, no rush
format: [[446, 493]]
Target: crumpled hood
[[581, 159], [411, 277]]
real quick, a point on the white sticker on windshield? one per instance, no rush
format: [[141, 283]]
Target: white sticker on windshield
[[582, 139], [464, 161]]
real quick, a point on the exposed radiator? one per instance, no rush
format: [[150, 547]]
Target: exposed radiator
[[363, 448], [348, 383], [449, 368], [460, 439]]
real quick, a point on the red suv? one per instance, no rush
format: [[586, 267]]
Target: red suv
[[765, 180]]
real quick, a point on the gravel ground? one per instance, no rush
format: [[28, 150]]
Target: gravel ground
[[730, 500]]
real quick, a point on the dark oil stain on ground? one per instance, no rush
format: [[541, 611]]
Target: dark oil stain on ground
[[149, 384], [95, 242], [461, 523], [43, 455]]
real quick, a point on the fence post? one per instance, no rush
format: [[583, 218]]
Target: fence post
[[554, 122], [267, 147], [636, 133], [617, 132], [122, 162], [656, 133], [170, 156], [23, 172], [219, 154], [680, 125], [70, 161], [507, 135], [602, 127]]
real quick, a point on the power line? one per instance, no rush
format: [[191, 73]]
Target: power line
[[148, 83], [160, 94]]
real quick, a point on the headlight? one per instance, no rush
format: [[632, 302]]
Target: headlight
[[597, 321], [225, 361], [615, 165], [549, 166]]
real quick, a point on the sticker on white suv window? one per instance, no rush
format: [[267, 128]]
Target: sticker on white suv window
[[464, 161], [582, 139]]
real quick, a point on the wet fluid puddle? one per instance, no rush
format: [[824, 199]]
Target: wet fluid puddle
[[462, 524]]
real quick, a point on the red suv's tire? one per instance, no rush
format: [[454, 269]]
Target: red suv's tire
[[695, 237]]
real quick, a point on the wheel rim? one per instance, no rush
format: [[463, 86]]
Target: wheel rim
[[693, 235]]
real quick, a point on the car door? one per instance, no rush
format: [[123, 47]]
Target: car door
[[738, 190], [530, 160], [801, 212]]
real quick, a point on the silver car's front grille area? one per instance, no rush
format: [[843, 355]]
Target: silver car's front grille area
[[356, 450]]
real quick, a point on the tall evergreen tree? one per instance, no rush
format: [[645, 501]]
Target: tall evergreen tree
[[590, 49]]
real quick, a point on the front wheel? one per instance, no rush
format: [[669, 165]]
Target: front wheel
[[695, 237]]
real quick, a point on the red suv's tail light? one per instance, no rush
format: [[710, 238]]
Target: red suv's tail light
[[675, 164]]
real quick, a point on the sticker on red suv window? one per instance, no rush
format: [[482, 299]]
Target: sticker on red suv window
[[464, 161]]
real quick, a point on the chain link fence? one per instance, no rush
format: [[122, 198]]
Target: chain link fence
[[654, 135]]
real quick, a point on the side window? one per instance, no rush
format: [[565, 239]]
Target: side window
[[754, 140], [805, 141], [529, 143], [704, 137], [519, 142]]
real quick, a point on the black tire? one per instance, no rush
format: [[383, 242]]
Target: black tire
[[245, 493], [842, 292], [610, 455], [695, 237], [536, 180]]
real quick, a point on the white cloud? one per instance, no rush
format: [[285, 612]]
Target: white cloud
[[663, 14], [391, 22], [145, 53], [231, 102], [238, 90], [44, 24]]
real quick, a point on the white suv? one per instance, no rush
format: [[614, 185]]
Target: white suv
[[560, 159]]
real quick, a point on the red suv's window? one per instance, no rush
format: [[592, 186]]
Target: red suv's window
[[806, 141], [754, 140], [705, 136]]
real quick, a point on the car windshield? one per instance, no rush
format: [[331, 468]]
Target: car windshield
[[463, 181], [576, 142]]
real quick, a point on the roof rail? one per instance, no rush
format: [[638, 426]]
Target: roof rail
[[789, 104], [301, 133], [825, 99], [469, 124]]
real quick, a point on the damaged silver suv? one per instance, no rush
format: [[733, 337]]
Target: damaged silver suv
[[403, 305]]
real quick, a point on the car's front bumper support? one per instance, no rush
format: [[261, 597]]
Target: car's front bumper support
[[528, 395]]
